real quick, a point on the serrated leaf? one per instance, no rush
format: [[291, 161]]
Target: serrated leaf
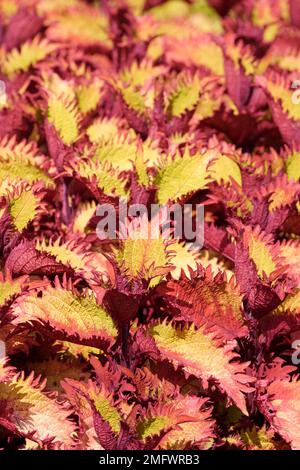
[[185, 96], [23, 208], [88, 97], [284, 401], [29, 54], [170, 182], [9, 289], [141, 255], [84, 213], [183, 421], [198, 354], [77, 319], [63, 114], [260, 251], [30, 410], [293, 166], [207, 298]]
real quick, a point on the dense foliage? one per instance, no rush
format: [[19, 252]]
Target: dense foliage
[[140, 343]]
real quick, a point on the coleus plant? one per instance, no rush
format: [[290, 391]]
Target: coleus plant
[[139, 343]]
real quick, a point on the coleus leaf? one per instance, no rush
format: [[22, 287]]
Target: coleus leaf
[[78, 258], [184, 96], [84, 213], [289, 252], [142, 255], [104, 177], [83, 24], [254, 439], [285, 114], [24, 205], [100, 420], [183, 423], [73, 318], [26, 410], [259, 270], [9, 288], [23, 25], [199, 354], [88, 96], [214, 300], [103, 130], [170, 184], [25, 259], [19, 161], [64, 116], [29, 54], [281, 404]]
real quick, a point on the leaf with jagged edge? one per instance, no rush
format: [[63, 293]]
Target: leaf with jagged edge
[[253, 438], [16, 340], [261, 250], [19, 169], [118, 152], [184, 95], [182, 258], [241, 56], [199, 50], [54, 85], [83, 25], [225, 168], [209, 259], [142, 254], [24, 206], [64, 115], [290, 305], [84, 213], [207, 106], [289, 252], [181, 422], [77, 256], [81, 396], [56, 369], [103, 130], [283, 95], [293, 166], [286, 58], [18, 161], [281, 193], [198, 353], [10, 288], [283, 400], [133, 98], [9, 148], [76, 351], [30, 53], [140, 166], [28, 410], [88, 96], [70, 317], [138, 74], [106, 177], [213, 298], [170, 181]]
